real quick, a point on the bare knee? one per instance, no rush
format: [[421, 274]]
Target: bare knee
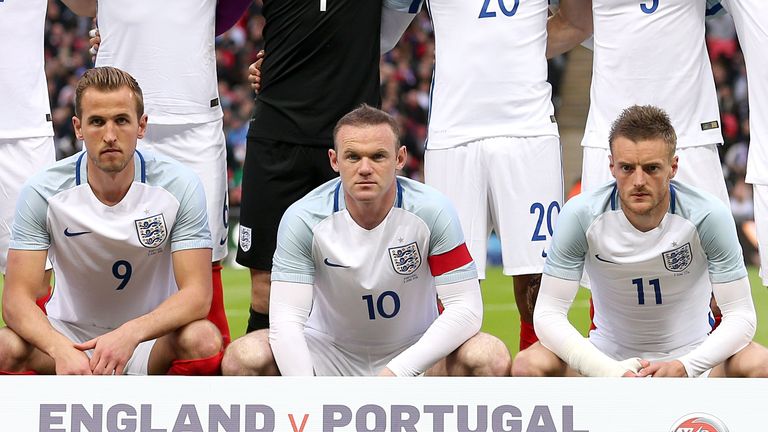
[[250, 355], [537, 361], [481, 355], [260, 283], [750, 362], [198, 339], [14, 351]]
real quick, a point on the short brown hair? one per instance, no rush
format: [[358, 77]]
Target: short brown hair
[[644, 122], [366, 115], [107, 79]]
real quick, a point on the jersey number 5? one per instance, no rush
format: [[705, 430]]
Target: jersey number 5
[[485, 13], [649, 9]]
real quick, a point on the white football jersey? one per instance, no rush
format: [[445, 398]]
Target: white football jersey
[[372, 287], [168, 46], [652, 53], [490, 76], [112, 264], [24, 108], [751, 19], [651, 290]]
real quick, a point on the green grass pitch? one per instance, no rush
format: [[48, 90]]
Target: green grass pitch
[[501, 318]]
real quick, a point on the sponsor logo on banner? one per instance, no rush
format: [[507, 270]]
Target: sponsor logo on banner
[[699, 422], [245, 238], [151, 231], [677, 260], [405, 259]]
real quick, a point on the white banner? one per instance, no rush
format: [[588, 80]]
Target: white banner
[[246, 404]]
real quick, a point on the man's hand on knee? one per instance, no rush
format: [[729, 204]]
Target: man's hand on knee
[[111, 351]]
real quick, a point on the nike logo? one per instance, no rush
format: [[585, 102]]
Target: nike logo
[[330, 264], [543, 254], [69, 233], [222, 241], [604, 260]]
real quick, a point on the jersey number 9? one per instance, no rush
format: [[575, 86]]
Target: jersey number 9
[[122, 271]]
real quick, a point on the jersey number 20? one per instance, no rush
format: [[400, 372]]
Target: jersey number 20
[[485, 13]]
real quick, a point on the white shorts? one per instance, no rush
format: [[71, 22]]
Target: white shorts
[[329, 358], [19, 159], [698, 166], [202, 147], [760, 197], [137, 364], [511, 185]]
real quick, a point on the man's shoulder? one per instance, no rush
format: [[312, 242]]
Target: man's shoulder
[[591, 204], [421, 199], [61, 175], [318, 204], [158, 169], [695, 204]]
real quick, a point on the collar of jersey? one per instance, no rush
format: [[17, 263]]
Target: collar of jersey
[[139, 172]]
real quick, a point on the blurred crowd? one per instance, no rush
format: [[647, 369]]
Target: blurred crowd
[[406, 73]]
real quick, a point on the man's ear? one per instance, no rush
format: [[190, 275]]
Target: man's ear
[[333, 157], [78, 127], [402, 157]]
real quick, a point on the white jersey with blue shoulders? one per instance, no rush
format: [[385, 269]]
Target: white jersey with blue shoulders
[[372, 287], [651, 290], [112, 263], [490, 76], [168, 46], [24, 108], [751, 19], [652, 52]]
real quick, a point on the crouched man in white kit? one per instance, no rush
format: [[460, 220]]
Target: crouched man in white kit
[[128, 238], [358, 264], [655, 250]]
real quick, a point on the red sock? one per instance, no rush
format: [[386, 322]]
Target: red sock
[[592, 325], [217, 315], [41, 301], [197, 367], [26, 372], [527, 335]]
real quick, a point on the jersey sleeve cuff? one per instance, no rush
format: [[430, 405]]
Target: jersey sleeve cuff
[[293, 277], [191, 244]]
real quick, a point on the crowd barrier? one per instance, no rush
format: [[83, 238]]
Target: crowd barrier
[[252, 404]]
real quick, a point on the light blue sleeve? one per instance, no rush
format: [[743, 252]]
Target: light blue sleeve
[[446, 234], [567, 251], [30, 230], [293, 261], [717, 232], [408, 6], [191, 231]]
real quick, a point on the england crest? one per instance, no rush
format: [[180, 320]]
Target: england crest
[[151, 231], [245, 238], [405, 259], [678, 259]]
